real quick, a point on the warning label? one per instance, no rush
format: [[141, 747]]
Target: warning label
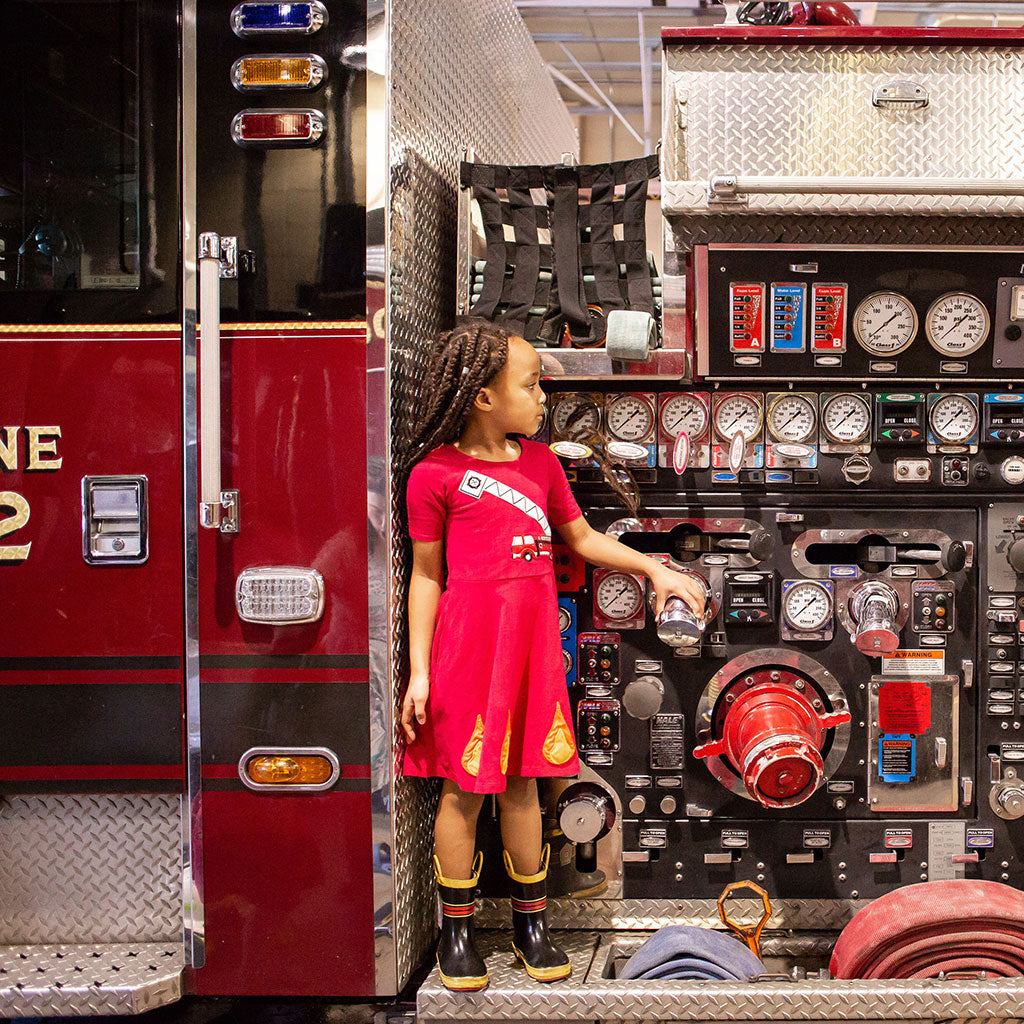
[[914, 663], [905, 707], [896, 758]]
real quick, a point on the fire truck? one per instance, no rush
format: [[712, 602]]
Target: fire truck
[[227, 233]]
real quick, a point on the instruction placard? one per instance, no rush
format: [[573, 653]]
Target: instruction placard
[[914, 663], [905, 706]]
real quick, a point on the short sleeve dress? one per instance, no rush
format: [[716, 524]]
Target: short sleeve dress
[[498, 702]]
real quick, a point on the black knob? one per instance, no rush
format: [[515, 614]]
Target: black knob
[[954, 558], [762, 544], [1012, 332], [1015, 555]]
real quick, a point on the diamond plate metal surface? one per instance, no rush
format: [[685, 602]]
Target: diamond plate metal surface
[[90, 868], [512, 996], [815, 103], [477, 81], [59, 980], [815, 915]]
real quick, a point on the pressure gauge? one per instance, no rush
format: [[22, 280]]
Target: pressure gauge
[[953, 418], [619, 596], [684, 414], [846, 418], [738, 414], [792, 418], [629, 418], [956, 324], [807, 606], [885, 323], [564, 619], [576, 416]]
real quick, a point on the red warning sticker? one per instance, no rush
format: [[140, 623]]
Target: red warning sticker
[[905, 706]]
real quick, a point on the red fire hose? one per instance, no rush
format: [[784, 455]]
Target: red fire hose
[[920, 931]]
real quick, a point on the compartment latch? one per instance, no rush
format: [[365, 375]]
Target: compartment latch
[[115, 520]]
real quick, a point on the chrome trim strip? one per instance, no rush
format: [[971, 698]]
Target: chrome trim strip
[[193, 924], [289, 787]]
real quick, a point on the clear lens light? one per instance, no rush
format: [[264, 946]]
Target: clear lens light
[[279, 595]]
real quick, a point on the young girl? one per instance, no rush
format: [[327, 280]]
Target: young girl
[[487, 705]]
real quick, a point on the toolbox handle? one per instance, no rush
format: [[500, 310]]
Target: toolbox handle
[[217, 258], [730, 188]]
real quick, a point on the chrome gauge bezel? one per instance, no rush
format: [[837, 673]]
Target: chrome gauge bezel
[[695, 403], [937, 343], [740, 396], [650, 417], [873, 347], [634, 584], [794, 590], [829, 401], [944, 400], [804, 436], [569, 402]]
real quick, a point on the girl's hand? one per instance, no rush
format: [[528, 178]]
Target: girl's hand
[[415, 704], [668, 583]]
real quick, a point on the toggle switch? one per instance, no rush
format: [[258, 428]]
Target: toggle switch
[[115, 520]]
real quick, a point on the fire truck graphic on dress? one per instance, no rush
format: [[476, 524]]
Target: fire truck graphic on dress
[[525, 546]]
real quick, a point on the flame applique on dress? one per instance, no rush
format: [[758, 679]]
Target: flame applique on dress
[[504, 745], [471, 755], [558, 745]]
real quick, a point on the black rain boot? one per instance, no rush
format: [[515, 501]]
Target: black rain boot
[[543, 960], [461, 966]]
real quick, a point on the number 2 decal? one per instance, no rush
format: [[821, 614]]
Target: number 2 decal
[[9, 524]]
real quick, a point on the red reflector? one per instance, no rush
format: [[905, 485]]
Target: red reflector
[[277, 127]]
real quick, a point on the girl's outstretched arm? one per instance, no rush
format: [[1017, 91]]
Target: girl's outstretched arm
[[607, 552], [425, 586]]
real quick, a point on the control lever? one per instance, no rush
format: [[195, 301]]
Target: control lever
[[677, 624], [874, 607], [954, 558], [585, 813], [760, 544]]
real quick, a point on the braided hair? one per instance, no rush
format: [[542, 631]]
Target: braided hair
[[463, 361]]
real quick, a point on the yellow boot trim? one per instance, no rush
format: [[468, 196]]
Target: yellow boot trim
[[505, 743], [471, 755], [462, 984], [545, 856], [543, 973], [460, 883], [558, 745]]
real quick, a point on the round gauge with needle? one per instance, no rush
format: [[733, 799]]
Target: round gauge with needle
[[885, 323], [846, 418], [807, 606], [953, 418], [629, 418], [575, 416], [956, 324], [619, 596], [737, 414], [792, 418], [564, 619], [684, 414]]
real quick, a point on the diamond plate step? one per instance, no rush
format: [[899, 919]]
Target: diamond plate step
[[587, 996], [56, 981]]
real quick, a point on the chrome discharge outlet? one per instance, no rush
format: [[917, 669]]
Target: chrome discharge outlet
[[874, 607]]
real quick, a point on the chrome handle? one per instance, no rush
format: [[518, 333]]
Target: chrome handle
[[217, 258], [729, 188]]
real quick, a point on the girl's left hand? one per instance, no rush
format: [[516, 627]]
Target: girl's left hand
[[668, 583]]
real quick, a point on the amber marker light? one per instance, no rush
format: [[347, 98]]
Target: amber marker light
[[278, 71], [309, 769]]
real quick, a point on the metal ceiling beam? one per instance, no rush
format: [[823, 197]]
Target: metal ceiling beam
[[600, 92]]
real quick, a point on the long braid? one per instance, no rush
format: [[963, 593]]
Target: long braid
[[464, 360]]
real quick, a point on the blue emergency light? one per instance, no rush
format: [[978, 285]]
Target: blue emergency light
[[254, 19]]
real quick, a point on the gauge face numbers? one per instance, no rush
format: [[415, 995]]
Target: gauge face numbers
[[793, 418], [684, 414], [846, 418], [629, 417], [564, 619], [885, 323], [953, 419], [807, 607], [619, 596], [737, 414], [576, 417], [956, 324]]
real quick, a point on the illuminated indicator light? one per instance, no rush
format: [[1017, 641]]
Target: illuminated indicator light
[[289, 770], [279, 596], [277, 127], [261, 18], [271, 71]]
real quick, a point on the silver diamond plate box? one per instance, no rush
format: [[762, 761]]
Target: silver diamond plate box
[[865, 128], [465, 77]]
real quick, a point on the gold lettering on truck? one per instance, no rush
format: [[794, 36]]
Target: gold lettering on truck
[[9, 448], [9, 500], [37, 446], [41, 457]]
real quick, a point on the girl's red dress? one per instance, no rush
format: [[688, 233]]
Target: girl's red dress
[[498, 702]]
